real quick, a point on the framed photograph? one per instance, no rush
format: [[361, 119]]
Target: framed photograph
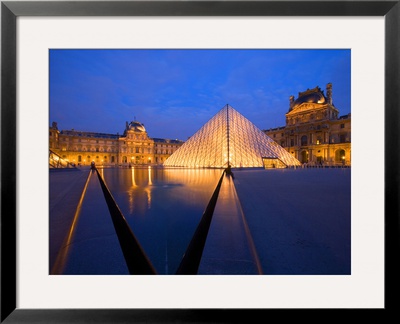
[[263, 50]]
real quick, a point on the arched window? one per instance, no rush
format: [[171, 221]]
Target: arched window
[[304, 157], [340, 156]]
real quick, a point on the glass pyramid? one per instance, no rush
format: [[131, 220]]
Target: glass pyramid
[[229, 138]]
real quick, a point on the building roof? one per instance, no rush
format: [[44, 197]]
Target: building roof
[[136, 126], [89, 134], [165, 140], [315, 95]]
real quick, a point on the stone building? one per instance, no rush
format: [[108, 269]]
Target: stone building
[[314, 132], [133, 147]]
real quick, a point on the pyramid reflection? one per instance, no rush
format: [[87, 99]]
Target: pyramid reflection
[[229, 138]]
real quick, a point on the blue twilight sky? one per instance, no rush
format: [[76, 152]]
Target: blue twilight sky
[[174, 92]]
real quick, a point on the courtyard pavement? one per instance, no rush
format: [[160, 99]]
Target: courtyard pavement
[[300, 219], [66, 187], [229, 247], [276, 222]]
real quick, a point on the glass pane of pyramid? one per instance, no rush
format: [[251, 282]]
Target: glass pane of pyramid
[[229, 138]]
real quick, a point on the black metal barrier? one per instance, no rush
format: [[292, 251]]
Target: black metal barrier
[[191, 259], [135, 258]]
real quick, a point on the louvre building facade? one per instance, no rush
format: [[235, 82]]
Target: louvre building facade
[[314, 132], [133, 147]]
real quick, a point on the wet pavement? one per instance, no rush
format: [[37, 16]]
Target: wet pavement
[[229, 247], [92, 247], [300, 219], [266, 221], [66, 187]]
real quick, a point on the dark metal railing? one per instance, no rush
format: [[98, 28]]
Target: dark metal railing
[[191, 259], [135, 257]]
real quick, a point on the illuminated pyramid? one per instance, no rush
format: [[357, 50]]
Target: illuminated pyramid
[[230, 138]]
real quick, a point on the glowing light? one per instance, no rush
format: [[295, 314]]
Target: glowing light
[[133, 178], [150, 182], [228, 137]]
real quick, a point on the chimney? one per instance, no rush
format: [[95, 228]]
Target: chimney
[[329, 93], [291, 101]]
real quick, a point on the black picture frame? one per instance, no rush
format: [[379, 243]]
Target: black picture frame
[[10, 10]]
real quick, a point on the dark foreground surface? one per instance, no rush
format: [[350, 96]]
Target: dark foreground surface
[[299, 219], [282, 221]]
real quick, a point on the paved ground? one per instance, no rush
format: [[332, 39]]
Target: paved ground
[[66, 186], [229, 246], [299, 219]]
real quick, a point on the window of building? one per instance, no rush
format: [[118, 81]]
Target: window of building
[[303, 140], [342, 138], [341, 125], [291, 142], [137, 150]]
